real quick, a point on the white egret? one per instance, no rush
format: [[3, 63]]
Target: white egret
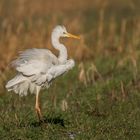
[[37, 68]]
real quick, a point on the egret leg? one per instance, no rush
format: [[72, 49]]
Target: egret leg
[[37, 105]]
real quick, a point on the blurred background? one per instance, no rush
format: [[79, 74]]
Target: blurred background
[[109, 30], [105, 82], [107, 27]]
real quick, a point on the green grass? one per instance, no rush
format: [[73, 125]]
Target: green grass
[[94, 112]]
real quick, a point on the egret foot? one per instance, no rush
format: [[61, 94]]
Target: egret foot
[[38, 112]]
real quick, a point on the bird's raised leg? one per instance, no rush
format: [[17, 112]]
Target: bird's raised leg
[[37, 105]]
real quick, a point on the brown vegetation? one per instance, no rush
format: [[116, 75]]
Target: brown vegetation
[[28, 24]]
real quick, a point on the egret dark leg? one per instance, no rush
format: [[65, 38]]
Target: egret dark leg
[[37, 105]]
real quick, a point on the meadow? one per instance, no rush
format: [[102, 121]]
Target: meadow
[[97, 100]]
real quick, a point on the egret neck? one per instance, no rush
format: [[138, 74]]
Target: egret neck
[[62, 49]]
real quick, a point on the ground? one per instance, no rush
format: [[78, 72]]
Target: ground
[[105, 109]]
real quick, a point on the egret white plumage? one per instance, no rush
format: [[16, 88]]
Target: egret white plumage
[[36, 68]]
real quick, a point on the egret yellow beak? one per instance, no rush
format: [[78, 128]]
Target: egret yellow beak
[[72, 36]]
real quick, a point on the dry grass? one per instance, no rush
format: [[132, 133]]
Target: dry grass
[[28, 24]]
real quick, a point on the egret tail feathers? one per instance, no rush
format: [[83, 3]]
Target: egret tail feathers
[[18, 84]]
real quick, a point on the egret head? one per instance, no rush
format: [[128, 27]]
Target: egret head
[[60, 31]]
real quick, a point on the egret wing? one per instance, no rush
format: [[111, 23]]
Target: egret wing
[[34, 63], [43, 55], [32, 67]]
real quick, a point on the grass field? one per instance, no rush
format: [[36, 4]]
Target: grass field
[[100, 98]]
